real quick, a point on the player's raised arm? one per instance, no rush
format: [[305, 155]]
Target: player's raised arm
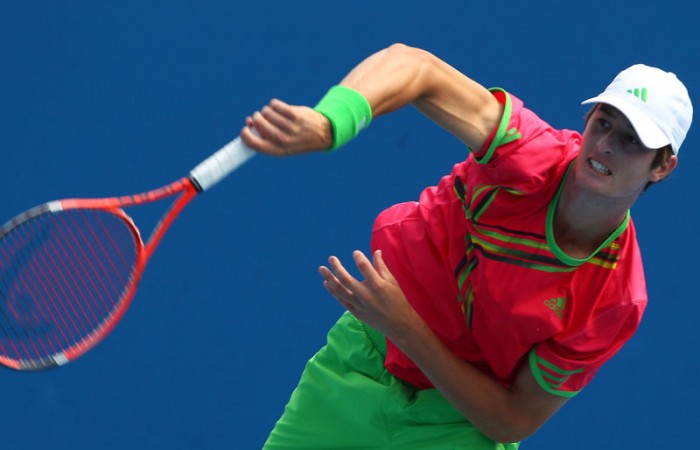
[[384, 82]]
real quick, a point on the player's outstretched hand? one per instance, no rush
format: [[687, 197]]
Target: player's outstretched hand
[[377, 300]]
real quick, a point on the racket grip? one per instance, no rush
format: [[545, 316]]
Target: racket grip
[[220, 164]]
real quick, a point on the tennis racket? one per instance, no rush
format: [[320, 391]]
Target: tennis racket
[[70, 268]]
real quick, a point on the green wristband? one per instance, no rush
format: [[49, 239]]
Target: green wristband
[[348, 111]]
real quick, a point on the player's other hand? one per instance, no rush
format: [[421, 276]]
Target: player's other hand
[[377, 299]]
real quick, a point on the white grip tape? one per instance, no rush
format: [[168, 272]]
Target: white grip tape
[[220, 164]]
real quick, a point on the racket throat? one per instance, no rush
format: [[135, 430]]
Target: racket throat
[[162, 227]]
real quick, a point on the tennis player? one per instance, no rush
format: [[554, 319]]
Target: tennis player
[[496, 297]]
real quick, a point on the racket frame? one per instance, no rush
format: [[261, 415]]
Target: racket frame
[[201, 178], [142, 253]]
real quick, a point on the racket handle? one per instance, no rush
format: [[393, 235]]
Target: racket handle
[[220, 164]]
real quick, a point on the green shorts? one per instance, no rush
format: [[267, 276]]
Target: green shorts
[[347, 399]]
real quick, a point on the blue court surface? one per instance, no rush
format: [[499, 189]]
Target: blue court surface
[[110, 98]]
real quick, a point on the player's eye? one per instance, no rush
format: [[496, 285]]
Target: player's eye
[[632, 139]]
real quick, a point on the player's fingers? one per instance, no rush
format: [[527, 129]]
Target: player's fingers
[[343, 295], [252, 139], [277, 119], [277, 141], [249, 136], [284, 109], [381, 266], [365, 267], [344, 277], [265, 128], [332, 281]]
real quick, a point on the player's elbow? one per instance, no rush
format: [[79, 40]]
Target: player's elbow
[[420, 70], [511, 428], [509, 434], [418, 59], [405, 51]]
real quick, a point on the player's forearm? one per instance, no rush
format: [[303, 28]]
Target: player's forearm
[[493, 409]]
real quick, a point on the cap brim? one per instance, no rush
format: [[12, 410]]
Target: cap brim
[[647, 130]]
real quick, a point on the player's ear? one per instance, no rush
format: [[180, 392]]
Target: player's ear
[[664, 169]]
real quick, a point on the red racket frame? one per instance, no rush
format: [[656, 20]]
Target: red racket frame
[[143, 253]]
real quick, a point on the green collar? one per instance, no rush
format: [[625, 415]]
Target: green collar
[[551, 241]]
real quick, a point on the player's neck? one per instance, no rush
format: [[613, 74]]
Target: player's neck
[[583, 222]]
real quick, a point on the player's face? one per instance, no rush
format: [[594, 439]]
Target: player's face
[[613, 161]]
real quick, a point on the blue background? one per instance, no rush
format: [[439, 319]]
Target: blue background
[[110, 98]]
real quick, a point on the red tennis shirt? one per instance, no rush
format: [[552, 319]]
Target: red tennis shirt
[[476, 258]]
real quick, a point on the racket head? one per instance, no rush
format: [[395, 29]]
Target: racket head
[[68, 273]]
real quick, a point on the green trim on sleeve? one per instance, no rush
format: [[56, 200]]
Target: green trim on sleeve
[[503, 134], [551, 379]]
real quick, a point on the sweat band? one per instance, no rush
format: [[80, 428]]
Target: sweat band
[[348, 111]]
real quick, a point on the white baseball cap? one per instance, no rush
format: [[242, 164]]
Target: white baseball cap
[[654, 101]]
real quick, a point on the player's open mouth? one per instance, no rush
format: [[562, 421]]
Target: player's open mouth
[[600, 168]]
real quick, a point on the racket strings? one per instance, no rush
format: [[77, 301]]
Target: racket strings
[[61, 277]]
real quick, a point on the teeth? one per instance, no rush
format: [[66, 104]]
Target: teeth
[[600, 168]]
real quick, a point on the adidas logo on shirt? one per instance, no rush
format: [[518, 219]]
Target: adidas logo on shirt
[[557, 305]]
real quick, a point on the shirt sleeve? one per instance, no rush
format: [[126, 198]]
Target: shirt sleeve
[[564, 364], [524, 153]]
